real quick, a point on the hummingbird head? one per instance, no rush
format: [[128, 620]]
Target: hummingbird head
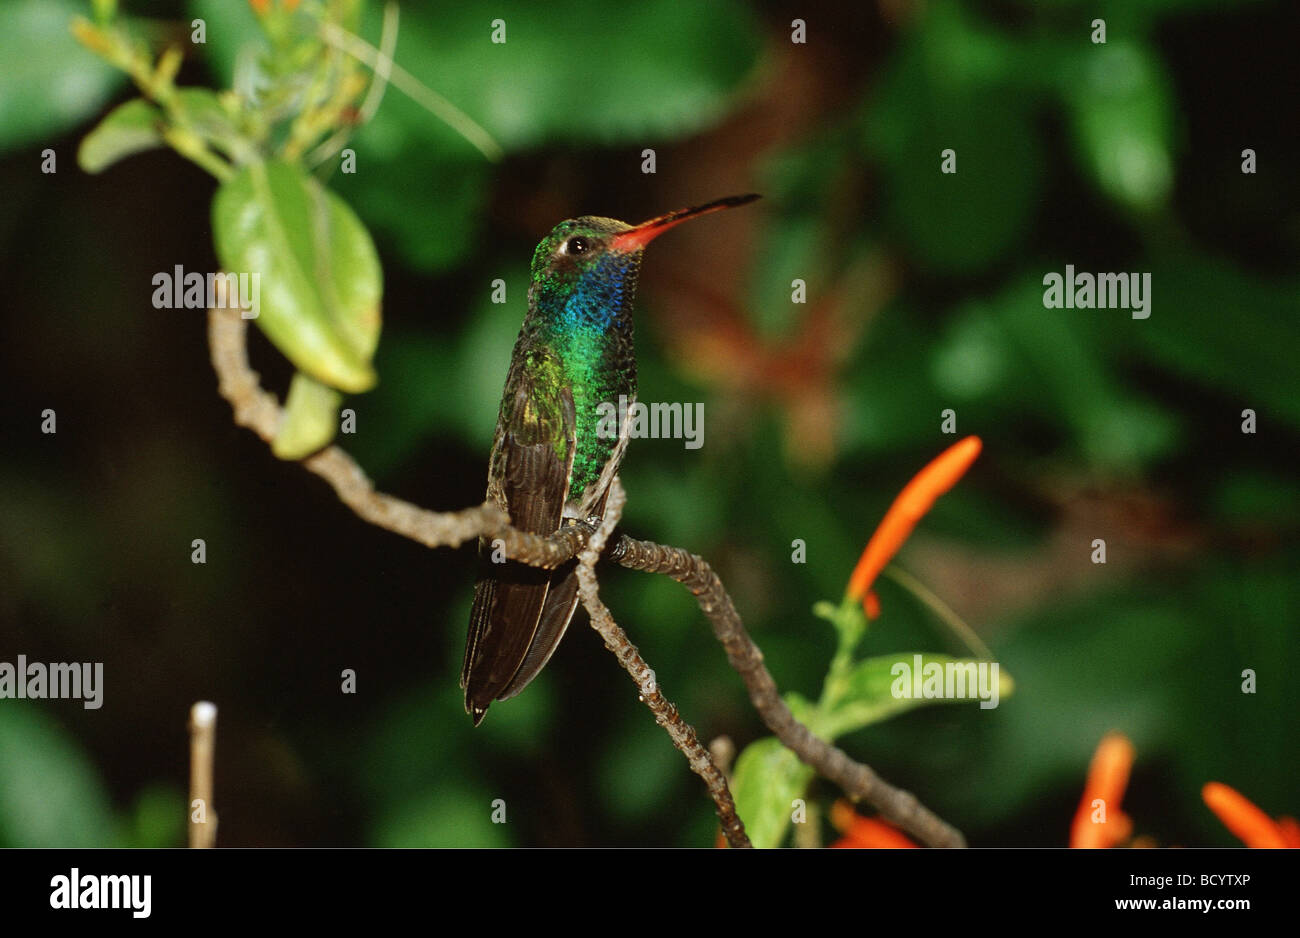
[[586, 241], [576, 246], [599, 258]]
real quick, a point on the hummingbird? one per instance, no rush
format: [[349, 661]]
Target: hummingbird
[[550, 466]]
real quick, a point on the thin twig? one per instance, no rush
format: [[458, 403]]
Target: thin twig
[[416, 90], [666, 715], [375, 96], [946, 613], [858, 781], [203, 742], [260, 412]]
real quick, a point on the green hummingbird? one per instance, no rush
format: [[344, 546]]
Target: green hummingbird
[[550, 466]]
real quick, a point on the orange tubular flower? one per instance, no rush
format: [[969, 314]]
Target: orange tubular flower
[[1247, 822], [908, 508], [864, 832], [1107, 780]]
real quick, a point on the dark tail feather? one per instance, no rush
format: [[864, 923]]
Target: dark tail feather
[[557, 612], [508, 602], [519, 615]]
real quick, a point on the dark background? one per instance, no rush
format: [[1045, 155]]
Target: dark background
[[924, 294]]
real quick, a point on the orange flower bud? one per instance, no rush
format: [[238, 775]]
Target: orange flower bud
[[1250, 825], [909, 508]]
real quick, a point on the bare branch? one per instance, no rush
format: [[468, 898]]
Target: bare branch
[[857, 780], [260, 412], [682, 733]]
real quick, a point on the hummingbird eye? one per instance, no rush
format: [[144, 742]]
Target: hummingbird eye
[[576, 246]]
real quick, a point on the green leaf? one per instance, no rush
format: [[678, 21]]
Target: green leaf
[[1122, 121], [128, 128], [50, 83], [50, 793], [768, 778], [311, 416], [320, 280], [866, 694]]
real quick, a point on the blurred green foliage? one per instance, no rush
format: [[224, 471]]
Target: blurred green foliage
[[50, 83], [1124, 156], [51, 794]]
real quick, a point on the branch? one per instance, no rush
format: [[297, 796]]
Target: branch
[[682, 733], [857, 780], [260, 412]]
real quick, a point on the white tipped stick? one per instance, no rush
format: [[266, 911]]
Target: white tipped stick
[[203, 744]]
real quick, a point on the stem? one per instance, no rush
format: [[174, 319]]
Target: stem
[[196, 150], [203, 743], [941, 609], [850, 624]]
